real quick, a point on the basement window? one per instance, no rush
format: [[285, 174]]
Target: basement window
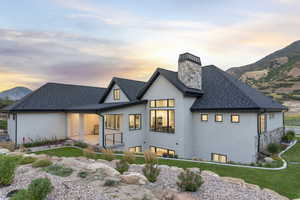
[[136, 149], [161, 151], [219, 158]]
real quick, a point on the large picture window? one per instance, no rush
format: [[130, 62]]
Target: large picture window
[[262, 123], [117, 94], [135, 121], [112, 122], [162, 121], [162, 103]]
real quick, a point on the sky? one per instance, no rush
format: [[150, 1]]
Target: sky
[[88, 42]]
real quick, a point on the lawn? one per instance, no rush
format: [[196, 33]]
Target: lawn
[[286, 182], [292, 119]]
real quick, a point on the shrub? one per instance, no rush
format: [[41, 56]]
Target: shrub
[[111, 182], [81, 144], [21, 195], [189, 181], [7, 170], [108, 154], [122, 166], [151, 172], [291, 133], [82, 174], [273, 148], [129, 157], [150, 158], [89, 153], [27, 160], [42, 163], [41, 142], [59, 170], [39, 188]]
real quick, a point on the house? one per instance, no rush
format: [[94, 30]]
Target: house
[[199, 111]]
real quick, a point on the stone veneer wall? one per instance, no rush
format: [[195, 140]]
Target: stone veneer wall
[[189, 73], [273, 136]]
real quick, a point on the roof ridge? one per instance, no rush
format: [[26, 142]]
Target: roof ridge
[[128, 79], [48, 83], [230, 78]]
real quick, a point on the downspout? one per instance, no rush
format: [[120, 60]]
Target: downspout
[[16, 129]]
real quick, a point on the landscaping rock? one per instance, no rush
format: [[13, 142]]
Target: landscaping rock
[[238, 181], [268, 159], [109, 171], [134, 178], [4, 151], [183, 196]]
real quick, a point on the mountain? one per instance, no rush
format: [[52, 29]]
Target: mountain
[[15, 93], [276, 75]]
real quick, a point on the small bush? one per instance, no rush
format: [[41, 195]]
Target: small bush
[[189, 181], [291, 133], [122, 166], [21, 195], [81, 144], [150, 158], [89, 153], [273, 148], [108, 154], [39, 188], [129, 157], [111, 182], [27, 160], [151, 172], [41, 142], [59, 170], [7, 170], [82, 174], [41, 163], [289, 136]]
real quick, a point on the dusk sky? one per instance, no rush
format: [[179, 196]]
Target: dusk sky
[[89, 41]]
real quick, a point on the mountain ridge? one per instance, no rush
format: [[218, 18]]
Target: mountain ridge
[[15, 93]]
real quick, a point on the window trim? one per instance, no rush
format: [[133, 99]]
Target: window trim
[[115, 122], [151, 130], [216, 117], [168, 104], [155, 147], [202, 118], [134, 129], [239, 118], [212, 156], [114, 94]]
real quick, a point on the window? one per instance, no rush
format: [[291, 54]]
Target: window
[[160, 151], [116, 94], [219, 158], [219, 118], [162, 121], [135, 121], [204, 117], [136, 149], [262, 123], [162, 103], [112, 122], [235, 118]]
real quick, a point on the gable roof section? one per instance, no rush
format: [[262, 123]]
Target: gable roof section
[[57, 97], [172, 77], [129, 87], [224, 92]]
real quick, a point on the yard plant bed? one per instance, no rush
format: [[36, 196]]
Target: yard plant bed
[[285, 182]]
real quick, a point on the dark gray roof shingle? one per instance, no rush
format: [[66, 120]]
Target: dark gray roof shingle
[[129, 87], [55, 96]]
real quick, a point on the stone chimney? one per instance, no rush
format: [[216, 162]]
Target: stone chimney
[[189, 70]]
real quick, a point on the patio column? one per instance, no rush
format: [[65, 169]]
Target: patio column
[[101, 130], [81, 127]]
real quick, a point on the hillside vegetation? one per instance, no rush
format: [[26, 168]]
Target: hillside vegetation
[[276, 75]]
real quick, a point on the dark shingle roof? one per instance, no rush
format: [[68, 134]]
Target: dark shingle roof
[[54, 96], [223, 91], [129, 87], [172, 77]]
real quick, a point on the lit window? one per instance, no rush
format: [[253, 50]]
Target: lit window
[[161, 151], [219, 158], [112, 122], [116, 94], [204, 117], [235, 118], [262, 122], [162, 121], [162, 103], [136, 149], [219, 118], [135, 121]]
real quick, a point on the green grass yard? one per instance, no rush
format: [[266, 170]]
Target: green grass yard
[[286, 182], [292, 119]]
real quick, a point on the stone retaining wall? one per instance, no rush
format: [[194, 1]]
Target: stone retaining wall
[[273, 136]]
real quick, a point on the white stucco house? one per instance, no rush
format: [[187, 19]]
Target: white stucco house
[[199, 111]]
